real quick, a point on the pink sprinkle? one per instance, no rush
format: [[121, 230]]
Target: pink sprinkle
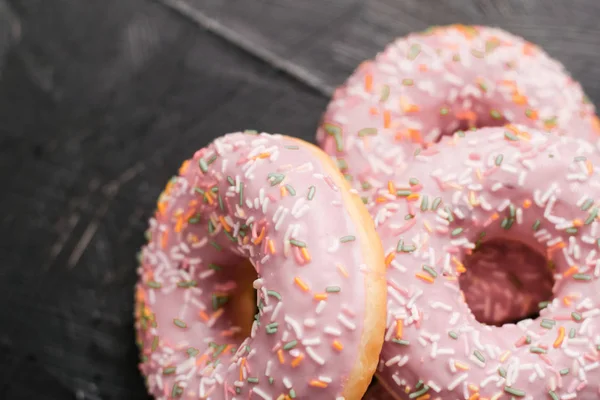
[[405, 227], [546, 359], [330, 183], [474, 156], [453, 250], [398, 288], [348, 311], [490, 171], [298, 256], [521, 341], [562, 318], [416, 188]]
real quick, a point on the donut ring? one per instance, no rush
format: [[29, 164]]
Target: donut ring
[[321, 286], [492, 184], [430, 84]]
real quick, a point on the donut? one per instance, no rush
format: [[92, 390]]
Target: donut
[[272, 213], [494, 184], [446, 79]]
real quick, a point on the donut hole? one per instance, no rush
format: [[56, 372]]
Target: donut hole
[[505, 282], [243, 301], [468, 117]]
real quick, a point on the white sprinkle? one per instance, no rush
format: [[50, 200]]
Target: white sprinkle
[[318, 359], [457, 381]]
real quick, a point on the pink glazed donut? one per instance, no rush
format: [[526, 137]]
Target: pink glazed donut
[[493, 184], [439, 81], [282, 205]]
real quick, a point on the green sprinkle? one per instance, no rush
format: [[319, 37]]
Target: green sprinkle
[[186, 284], [413, 181], [414, 51], [292, 147], [290, 345], [453, 335], [537, 350], [215, 267], [342, 165], [218, 351], [251, 132], [576, 316], [547, 323], [198, 190], [311, 193], [499, 159], [420, 393], [582, 277], [543, 304], [502, 372], [292, 393], [407, 82], [274, 294], [203, 165], [271, 380], [297, 243], [401, 341], [367, 132], [510, 136], [408, 216], [230, 181], [553, 395], [564, 371], [419, 384], [154, 343], [479, 356], [409, 248], [385, 93], [430, 270], [252, 380], [514, 392], [571, 231], [336, 132], [436, 203], [587, 204], [592, 216], [424, 202], [349, 238], [528, 339], [154, 285], [444, 111], [290, 189], [179, 323], [215, 245], [511, 210], [457, 231], [403, 193], [218, 301], [536, 225], [241, 195], [400, 246], [177, 391], [333, 289], [495, 114], [192, 352], [275, 178]]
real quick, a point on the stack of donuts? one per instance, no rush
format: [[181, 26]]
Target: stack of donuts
[[444, 238]]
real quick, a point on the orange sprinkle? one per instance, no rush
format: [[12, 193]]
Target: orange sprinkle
[[560, 338], [423, 67], [427, 226], [519, 99], [532, 114], [424, 277], [391, 187], [271, 246], [555, 247], [474, 396], [217, 314], [179, 225], [209, 197], [280, 356], [184, 167], [203, 315], [342, 270], [201, 359], [413, 197], [242, 364], [399, 328], [282, 191], [590, 167], [305, 254], [319, 384], [494, 216], [577, 223], [321, 296], [162, 207], [473, 388], [296, 361], [381, 199], [426, 396], [504, 356], [301, 284], [373, 111], [387, 119], [260, 237], [526, 203], [415, 135], [337, 345], [596, 123], [368, 82], [571, 271], [264, 155], [461, 366], [567, 301], [224, 223], [389, 258], [466, 115]]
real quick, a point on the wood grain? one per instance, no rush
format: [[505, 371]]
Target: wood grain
[[330, 37]]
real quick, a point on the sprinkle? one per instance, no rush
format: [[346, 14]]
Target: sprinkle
[[401, 341], [453, 335], [336, 132], [430, 270], [337, 345], [537, 350], [419, 393], [576, 316], [203, 165], [367, 132], [275, 178], [582, 277], [508, 135], [479, 356], [179, 323], [290, 190], [297, 243], [333, 289], [317, 383], [499, 159], [424, 277], [414, 51], [495, 114], [301, 284], [456, 231], [560, 338], [290, 345], [311, 193], [349, 238], [514, 392], [274, 294], [296, 361]]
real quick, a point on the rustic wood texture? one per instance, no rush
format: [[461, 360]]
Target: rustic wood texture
[[101, 100]]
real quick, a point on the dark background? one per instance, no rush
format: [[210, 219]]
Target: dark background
[[100, 101]]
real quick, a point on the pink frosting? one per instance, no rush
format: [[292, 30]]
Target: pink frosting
[[517, 184], [437, 82], [267, 199]]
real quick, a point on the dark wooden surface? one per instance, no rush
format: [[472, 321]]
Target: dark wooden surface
[[101, 100]]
